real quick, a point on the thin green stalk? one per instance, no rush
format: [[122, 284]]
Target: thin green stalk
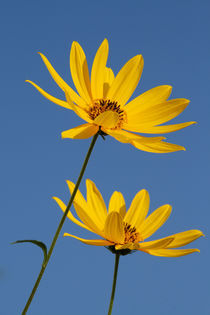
[[117, 258], [44, 265]]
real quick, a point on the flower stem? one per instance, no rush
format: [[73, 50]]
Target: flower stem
[[117, 257], [44, 265]]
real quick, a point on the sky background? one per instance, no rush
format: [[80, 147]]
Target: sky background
[[173, 37]]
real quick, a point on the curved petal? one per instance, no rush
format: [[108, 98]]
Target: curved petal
[[183, 238], [62, 84], [109, 78], [81, 112], [70, 215], [128, 137], [99, 69], [79, 72], [126, 80], [149, 98], [131, 246], [163, 243], [171, 252], [96, 204], [50, 97], [117, 203], [90, 242], [157, 147], [157, 129], [83, 211], [80, 132], [138, 209], [107, 119], [159, 113], [113, 229], [154, 221]]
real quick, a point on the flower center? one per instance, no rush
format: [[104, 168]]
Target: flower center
[[101, 106], [131, 236]]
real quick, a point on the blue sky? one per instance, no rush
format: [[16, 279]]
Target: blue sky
[[173, 37]]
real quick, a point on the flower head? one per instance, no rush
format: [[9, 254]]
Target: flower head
[[102, 101], [124, 231]]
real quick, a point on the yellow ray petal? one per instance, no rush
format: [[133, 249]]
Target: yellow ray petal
[[171, 252], [80, 132], [157, 129], [50, 97], [157, 147], [183, 238], [117, 203], [149, 98], [128, 137], [96, 204], [107, 119], [81, 112], [70, 215], [91, 242], [126, 81], [159, 113], [114, 230], [83, 211], [99, 69], [138, 209], [154, 221], [62, 84], [131, 246], [163, 243], [79, 72], [109, 78], [78, 197]]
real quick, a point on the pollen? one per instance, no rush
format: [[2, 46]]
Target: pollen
[[101, 106], [131, 235]]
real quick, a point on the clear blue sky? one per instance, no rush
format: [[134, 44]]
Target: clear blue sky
[[173, 37]]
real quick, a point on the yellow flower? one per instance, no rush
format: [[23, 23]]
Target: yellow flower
[[125, 231], [102, 102]]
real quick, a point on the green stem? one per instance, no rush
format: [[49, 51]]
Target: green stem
[[117, 257], [44, 265]]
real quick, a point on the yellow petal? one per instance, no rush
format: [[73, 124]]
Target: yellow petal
[[157, 147], [107, 119], [126, 81], [138, 209], [99, 69], [96, 204], [149, 98], [50, 97], [83, 211], [128, 137], [131, 246], [109, 78], [70, 215], [62, 84], [81, 112], [157, 129], [91, 242], [79, 72], [80, 132], [183, 238], [154, 221], [155, 244], [117, 203], [114, 230], [171, 252], [159, 113], [78, 197]]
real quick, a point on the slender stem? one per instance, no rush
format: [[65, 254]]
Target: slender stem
[[44, 265], [117, 257]]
